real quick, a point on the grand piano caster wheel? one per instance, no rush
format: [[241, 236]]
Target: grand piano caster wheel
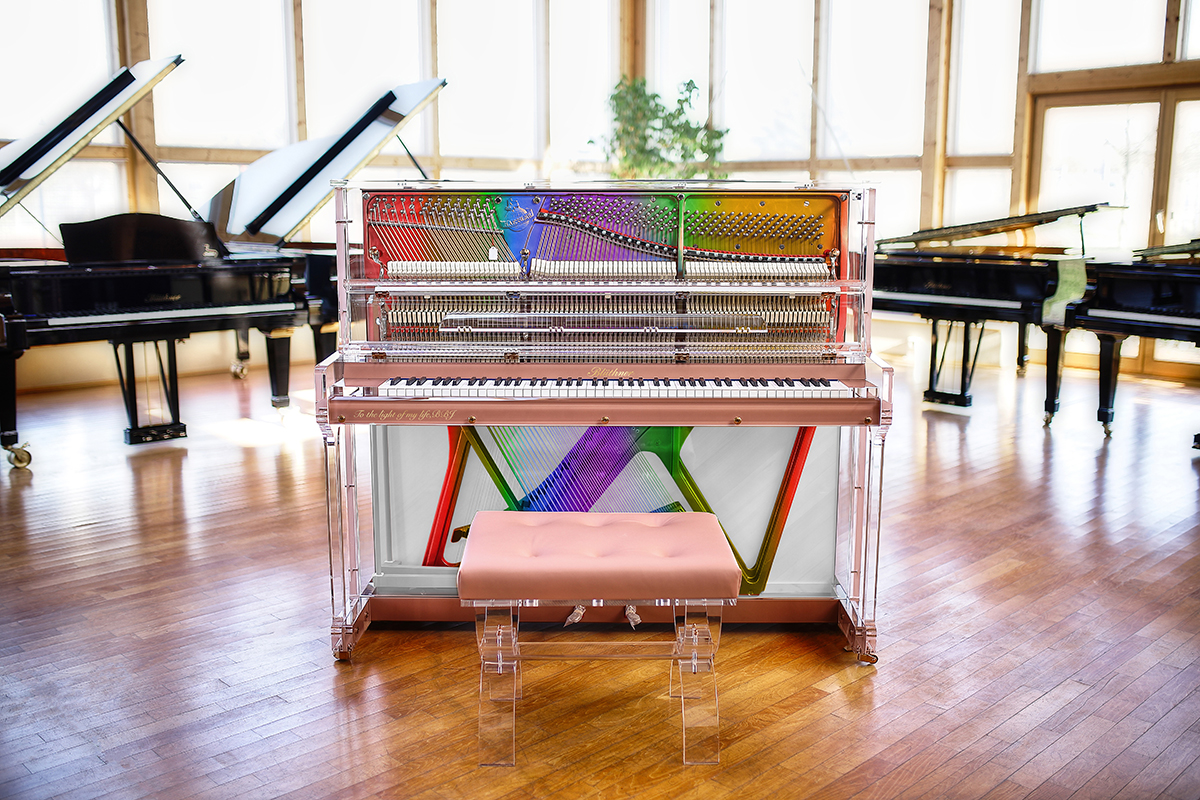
[[238, 370], [870, 658], [1046, 420], [19, 457], [1107, 431]]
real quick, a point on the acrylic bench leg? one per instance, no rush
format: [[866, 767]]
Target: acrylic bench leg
[[701, 721], [499, 687], [694, 681]]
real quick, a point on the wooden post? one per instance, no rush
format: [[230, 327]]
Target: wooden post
[[937, 101], [133, 42]]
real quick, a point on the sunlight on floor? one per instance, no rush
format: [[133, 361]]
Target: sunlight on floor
[[290, 426]]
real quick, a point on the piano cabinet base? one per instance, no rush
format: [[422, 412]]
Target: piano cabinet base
[[860, 638]]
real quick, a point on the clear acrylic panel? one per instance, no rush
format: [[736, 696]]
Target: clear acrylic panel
[[1082, 34], [897, 198], [1099, 154], [1182, 222]]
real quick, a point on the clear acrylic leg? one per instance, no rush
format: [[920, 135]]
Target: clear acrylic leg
[[694, 681], [701, 721], [499, 686]]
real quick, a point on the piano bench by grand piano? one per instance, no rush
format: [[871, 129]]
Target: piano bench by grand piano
[[516, 559]]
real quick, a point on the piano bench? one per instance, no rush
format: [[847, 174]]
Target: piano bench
[[518, 559]]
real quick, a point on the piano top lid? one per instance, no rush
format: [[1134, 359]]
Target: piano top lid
[[277, 194], [1004, 225], [25, 163], [1182, 251]]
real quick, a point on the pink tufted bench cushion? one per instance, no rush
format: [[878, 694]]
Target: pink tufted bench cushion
[[538, 555]]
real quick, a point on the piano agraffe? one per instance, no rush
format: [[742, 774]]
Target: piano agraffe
[[612, 347], [143, 278], [929, 274]]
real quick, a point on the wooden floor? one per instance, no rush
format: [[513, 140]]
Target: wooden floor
[[165, 610]]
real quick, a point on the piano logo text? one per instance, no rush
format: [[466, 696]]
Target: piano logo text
[[516, 216], [608, 372]]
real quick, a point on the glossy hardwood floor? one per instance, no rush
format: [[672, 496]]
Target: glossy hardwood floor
[[165, 610]]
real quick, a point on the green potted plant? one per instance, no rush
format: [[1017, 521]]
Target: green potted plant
[[651, 140]]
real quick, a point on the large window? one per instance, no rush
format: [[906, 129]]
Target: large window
[[983, 80], [59, 54], [1099, 154], [583, 71], [353, 54], [764, 87], [488, 53], [1081, 34], [873, 86], [232, 89]]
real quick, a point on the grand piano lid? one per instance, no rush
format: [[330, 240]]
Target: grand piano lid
[[276, 195], [1003, 225], [25, 163], [1183, 252]]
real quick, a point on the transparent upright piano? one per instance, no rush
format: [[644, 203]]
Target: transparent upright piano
[[605, 347]]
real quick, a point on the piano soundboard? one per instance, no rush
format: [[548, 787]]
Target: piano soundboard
[[627, 338]]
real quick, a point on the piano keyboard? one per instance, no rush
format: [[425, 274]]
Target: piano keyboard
[[615, 388]]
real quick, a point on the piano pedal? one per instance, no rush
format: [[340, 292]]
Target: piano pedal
[[18, 455]]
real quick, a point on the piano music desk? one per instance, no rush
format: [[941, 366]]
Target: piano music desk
[[516, 559]]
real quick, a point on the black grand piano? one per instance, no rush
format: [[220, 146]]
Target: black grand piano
[[1156, 296], [152, 280], [930, 274]]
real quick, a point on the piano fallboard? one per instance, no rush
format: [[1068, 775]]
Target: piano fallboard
[[962, 287], [1157, 301], [631, 411], [145, 301]]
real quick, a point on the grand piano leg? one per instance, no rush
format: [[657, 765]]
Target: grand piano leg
[[937, 360], [279, 361], [168, 376], [17, 456], [1054, 368], [12, 345], [242, 337], [1110, 368], [1022, 347]]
